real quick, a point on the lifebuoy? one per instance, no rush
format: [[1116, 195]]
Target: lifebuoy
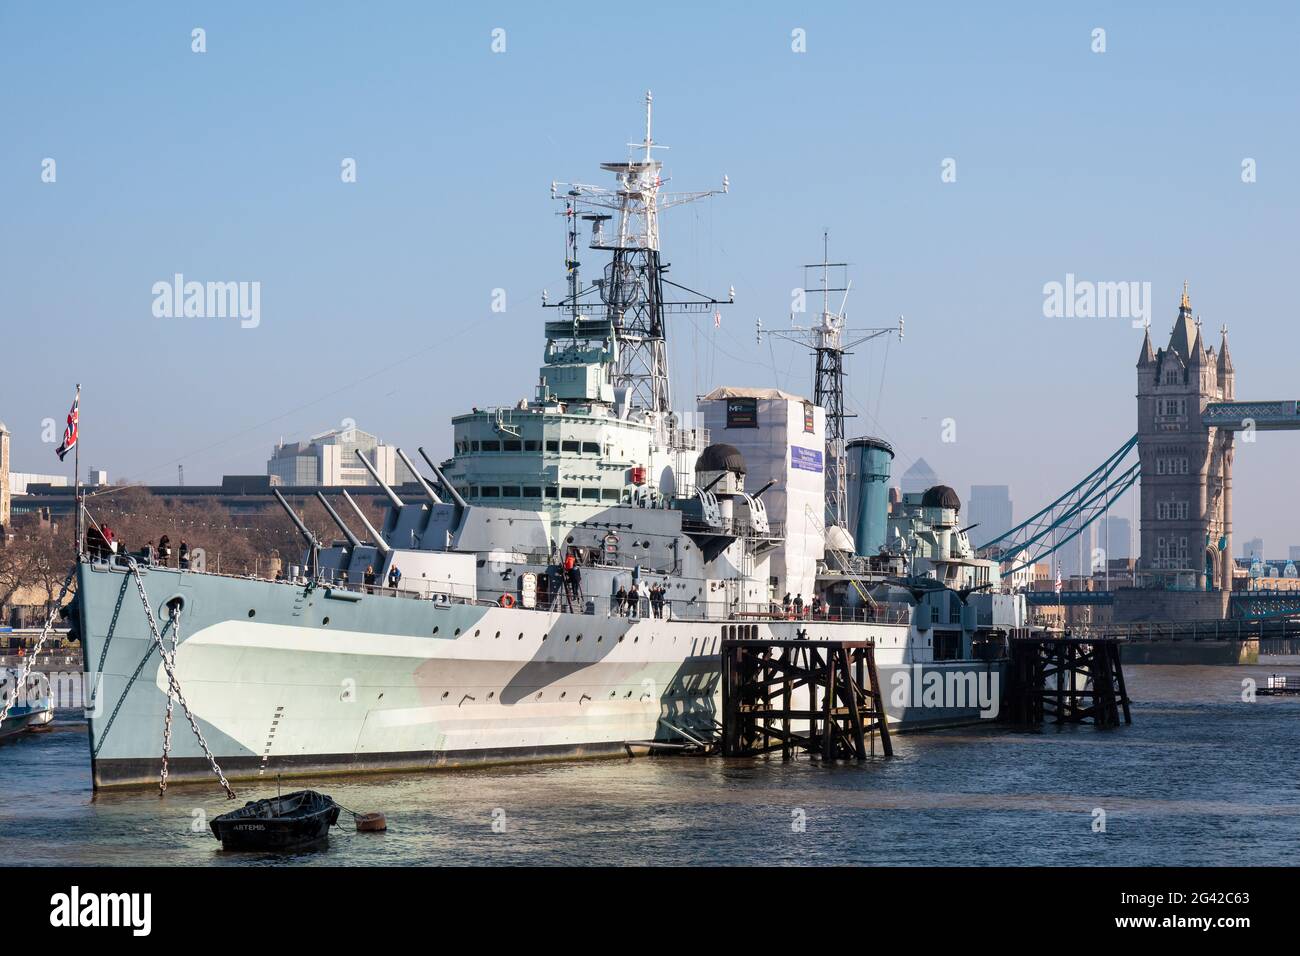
[[507, 600]]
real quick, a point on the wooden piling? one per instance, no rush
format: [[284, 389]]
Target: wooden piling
[[844, 704], [1067, 680]]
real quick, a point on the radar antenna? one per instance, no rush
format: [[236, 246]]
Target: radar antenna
[[829, 341], [631, 291]]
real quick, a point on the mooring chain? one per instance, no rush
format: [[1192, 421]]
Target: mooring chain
[[173, 684], [171, 702], [25, 670]]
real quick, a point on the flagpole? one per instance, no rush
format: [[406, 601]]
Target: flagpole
[[76, 481]]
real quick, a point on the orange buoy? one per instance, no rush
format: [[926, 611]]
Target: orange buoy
[[371, 822]]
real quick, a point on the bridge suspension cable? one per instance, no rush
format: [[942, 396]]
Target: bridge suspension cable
[[1064, 519]]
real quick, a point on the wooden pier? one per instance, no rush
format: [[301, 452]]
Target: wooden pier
[[839, 711], [1067, 680]]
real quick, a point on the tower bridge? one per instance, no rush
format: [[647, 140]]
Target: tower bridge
[[1188, 419]]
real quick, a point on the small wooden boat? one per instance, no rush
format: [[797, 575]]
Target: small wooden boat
[[27, 714], [290, 822]]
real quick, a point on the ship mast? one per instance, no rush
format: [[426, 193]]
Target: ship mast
[[826, 340], [632, 288]]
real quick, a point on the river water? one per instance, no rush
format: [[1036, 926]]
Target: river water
[[1201, 777]]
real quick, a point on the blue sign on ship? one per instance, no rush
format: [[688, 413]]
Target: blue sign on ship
[[805, 458]]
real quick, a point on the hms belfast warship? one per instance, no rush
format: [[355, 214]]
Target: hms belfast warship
[[487, 648]]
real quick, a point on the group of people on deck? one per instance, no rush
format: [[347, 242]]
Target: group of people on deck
[[102, 542], [627, 602], [794, 609]]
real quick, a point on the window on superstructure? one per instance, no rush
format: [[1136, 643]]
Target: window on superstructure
[[532, 444], [490, 491], [473, 446], [532, 491], [572, 446], [509, 491], [610, 494], [512, 445], [568, 492], [492, 445], [591, 448], [552, 491], [591, 494], [552, 445]]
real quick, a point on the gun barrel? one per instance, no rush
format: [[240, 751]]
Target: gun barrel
[[293, 516], [451, 489], [392, 495], [353, 540], [380, 543], [419, 477]]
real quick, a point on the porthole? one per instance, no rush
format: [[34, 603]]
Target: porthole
[[636, 639], [251, 612], [457, 634], [578, 640], [326, 621], [544, 635], [498, 634], [566, 638], [539, 695], [521, 635], [446, 694], [563, 694], [476, 632], [599, 638], [435, 628], [620, 638], [491, 694]]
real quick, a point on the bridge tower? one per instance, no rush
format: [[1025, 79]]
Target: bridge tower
[[1186, 484]]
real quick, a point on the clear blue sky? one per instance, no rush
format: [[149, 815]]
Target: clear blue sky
[[224, 166]]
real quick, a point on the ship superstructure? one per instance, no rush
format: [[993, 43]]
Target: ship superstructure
[[560, 586]]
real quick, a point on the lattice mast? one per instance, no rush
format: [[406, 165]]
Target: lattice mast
[[631, 290], [828, 340]]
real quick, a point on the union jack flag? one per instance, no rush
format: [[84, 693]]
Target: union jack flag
[[70, 432]]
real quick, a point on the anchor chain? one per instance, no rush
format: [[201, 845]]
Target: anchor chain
[[171, 702], [174, 686], [30, 662]]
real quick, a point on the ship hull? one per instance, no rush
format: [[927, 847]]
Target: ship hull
[[289, 680]]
